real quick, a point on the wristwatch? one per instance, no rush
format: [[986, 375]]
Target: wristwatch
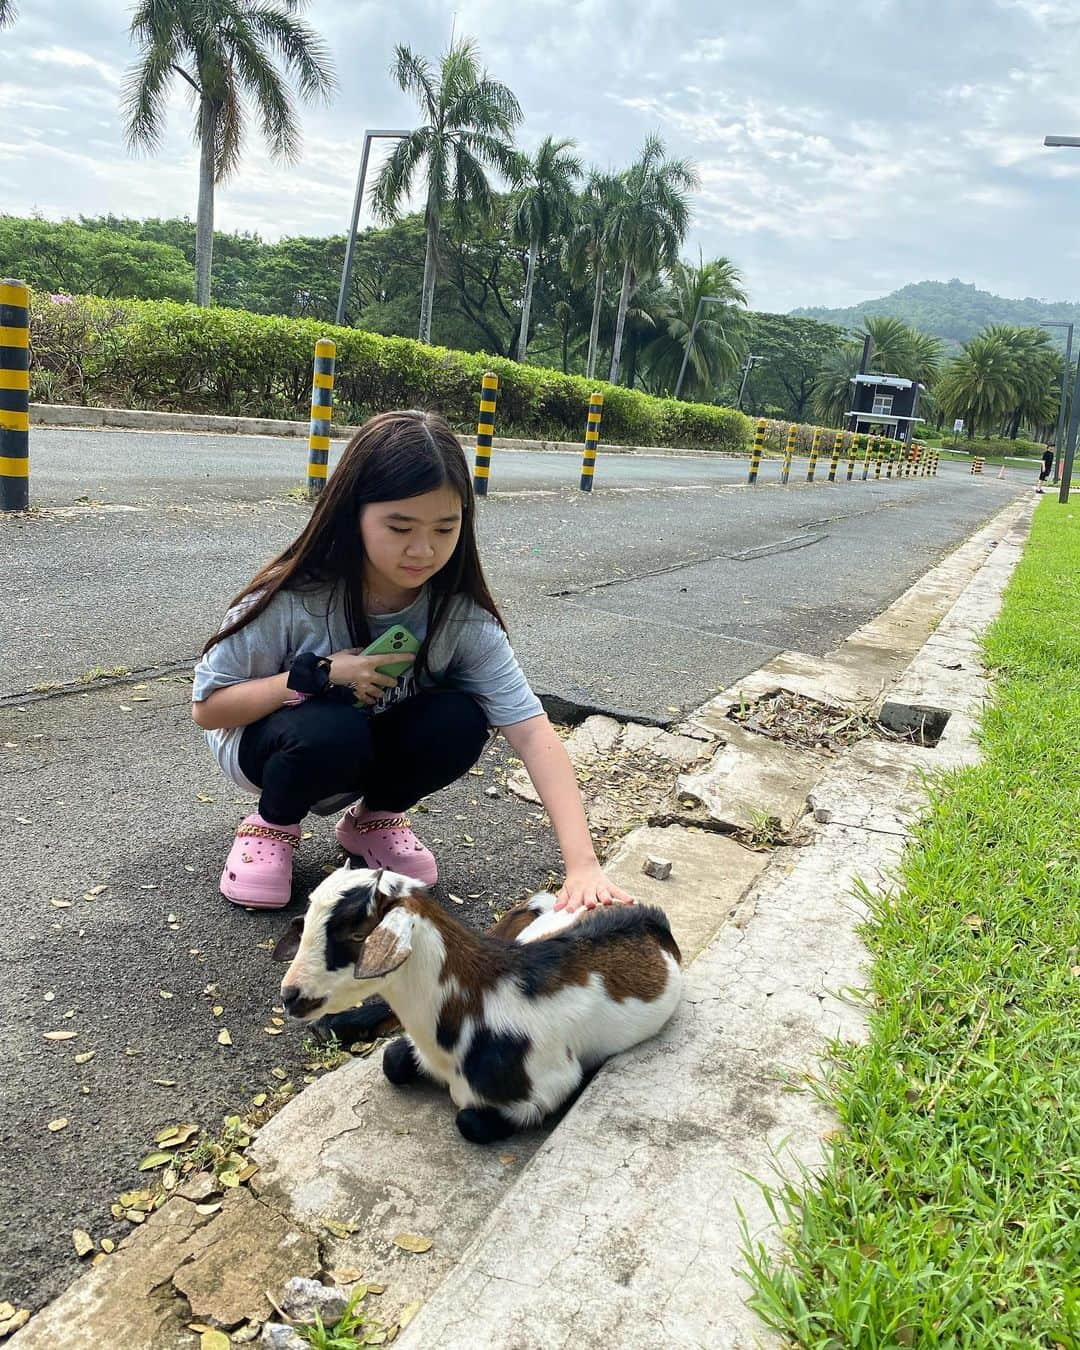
[[309, 674]]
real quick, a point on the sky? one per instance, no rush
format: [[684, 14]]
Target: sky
[[845, 147]]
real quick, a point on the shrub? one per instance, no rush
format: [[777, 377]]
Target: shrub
[[166, 355]]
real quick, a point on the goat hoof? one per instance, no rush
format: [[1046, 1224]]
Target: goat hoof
[[399, 1063], [366, 1023], [483, 1124]]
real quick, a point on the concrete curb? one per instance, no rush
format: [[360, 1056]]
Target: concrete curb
[[624, 1223], [140, 419]]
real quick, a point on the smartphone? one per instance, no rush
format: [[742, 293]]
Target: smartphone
[[396, 639]]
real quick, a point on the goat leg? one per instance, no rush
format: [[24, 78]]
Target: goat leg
[[484, 1124]]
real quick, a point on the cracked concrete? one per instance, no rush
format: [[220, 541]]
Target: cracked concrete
[[176, 1266]]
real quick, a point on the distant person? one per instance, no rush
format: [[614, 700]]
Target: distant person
[[1047, 466], [297, 715]]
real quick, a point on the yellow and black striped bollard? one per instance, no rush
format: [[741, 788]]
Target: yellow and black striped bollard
[[867, 457], [853, 456], [890, 453], [789, 451], [878, 457], [815, 447], [485, 430], [592, 437], [834, 463], [14, 396], [755, 454], [322, 410]]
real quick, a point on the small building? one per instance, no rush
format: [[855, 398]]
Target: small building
[[885, 405]]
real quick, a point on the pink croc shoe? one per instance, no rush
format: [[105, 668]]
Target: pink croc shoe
[[258, 870], [385, 839]]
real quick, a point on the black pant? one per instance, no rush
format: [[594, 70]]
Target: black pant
[[300, 756]]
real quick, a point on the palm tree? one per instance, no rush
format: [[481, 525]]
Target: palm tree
[[588, 248], [649, 220], [980, 385], [832, 392], [469, 120], [720, 339], [225, 51], [7, 12], [540, 210]]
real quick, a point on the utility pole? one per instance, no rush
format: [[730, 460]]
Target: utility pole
[[1070, 439], [746, 371]]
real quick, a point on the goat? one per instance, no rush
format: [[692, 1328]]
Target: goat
[[511, 1027]]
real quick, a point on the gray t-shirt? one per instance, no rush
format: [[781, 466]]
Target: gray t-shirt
[[470, 653]]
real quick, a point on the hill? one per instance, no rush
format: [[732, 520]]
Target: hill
[[953, 310]]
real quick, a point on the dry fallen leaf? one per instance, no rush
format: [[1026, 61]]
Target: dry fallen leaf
[[85, 1057], [153, 1160], [165, 993], [59, 1124], [214, 1340], [217, 1009], [412, 1242], [407, 1314], [82, 1241], [60, 1035], [279, 1073], [223, 1037], [339, 1230], [19, 1319], [211, 1207], [93, 891], [175, 1136], [108, 1245], [60, 904], [259, 1099]]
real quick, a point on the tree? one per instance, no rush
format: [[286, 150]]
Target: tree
[[649, 220], [790, 353], [980, 385], [468, 126], [7, 12], [588, 248], [225, 51], [63, 256], [541, 209], [720, 339], [832, 392]]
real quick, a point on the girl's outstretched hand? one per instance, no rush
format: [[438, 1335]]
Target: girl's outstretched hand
[[588, 887]]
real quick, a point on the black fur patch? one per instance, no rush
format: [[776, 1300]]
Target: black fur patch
[[448, 1027], [495, 1066], [353, 912], [537, 965], [624, 921]]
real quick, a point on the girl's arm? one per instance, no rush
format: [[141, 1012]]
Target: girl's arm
[[552, 774], [238, 705]]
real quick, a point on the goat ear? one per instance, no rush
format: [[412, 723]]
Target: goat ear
[[386, 947], [289, 943]]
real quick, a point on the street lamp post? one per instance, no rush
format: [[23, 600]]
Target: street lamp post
[[358, 202], [745, 375], [1047, 323], [702, 302], [1074, 412]]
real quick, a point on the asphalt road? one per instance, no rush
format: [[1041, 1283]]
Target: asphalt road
[[667, 583]]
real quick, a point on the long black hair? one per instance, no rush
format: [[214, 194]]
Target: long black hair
[[394, 455]]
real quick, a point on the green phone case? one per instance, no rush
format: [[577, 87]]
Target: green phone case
[[396, 639]]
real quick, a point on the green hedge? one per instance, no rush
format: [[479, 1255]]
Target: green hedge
[[177, 357]]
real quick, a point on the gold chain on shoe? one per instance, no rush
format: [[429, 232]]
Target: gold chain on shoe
[[268, 832], [388, 823]]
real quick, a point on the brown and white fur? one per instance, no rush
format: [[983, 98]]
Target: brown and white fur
[[511, 1021]]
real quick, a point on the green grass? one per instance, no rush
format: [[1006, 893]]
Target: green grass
[[948, 1210]]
